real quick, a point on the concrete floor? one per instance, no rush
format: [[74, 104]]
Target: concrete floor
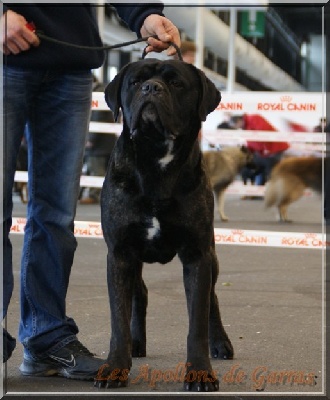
[[270, 298]]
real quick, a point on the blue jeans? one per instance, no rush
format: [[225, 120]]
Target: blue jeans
[[53, 109], [265, 165]]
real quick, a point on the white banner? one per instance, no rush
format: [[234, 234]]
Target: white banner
[[286, 112], [296, 240], [280, 117], [293, 117]]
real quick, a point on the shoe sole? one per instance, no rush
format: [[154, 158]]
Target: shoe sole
[[48, 371]]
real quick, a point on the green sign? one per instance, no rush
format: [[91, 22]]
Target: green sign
[[253, 23]]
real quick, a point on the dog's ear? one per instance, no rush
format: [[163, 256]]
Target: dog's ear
[[210, 96], [112, 92]]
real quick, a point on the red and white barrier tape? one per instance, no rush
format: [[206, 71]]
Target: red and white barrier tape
[[263, 136], [292, 240], [105, 127], [299, 140], [85, 180], [236, 188], [98, 102]]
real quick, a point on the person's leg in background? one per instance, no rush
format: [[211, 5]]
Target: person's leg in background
[[270, 163], [260, 164]]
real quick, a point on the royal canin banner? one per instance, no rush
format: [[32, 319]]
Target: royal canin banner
[[290, 117], [294, 240], [295, 112]]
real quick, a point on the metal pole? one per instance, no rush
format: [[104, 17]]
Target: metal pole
[[199, 37], [100, 21], [231, 76]]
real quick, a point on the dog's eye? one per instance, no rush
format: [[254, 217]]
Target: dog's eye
[[176, 83], [135, 82]]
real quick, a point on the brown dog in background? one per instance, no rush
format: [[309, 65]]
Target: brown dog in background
[[289, 179], [222, 168]]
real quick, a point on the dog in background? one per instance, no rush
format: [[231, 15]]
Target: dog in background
[[222, 168], [288, 181]]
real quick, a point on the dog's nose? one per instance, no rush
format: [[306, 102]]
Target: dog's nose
[[152, 87]]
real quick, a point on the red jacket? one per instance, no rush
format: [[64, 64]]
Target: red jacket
[[256, 122]]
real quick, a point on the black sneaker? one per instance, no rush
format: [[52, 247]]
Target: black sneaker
[[9, 344], [73, 361]]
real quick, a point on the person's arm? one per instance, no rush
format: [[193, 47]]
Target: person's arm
[[15, 35], [135, 14], [148, 19]]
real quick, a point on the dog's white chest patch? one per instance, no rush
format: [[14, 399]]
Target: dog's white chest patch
[[154, 228], [168, 156]]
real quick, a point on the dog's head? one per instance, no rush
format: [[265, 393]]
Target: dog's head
[[163, 95]]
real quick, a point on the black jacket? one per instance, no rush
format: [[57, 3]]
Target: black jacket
[[75, 24]]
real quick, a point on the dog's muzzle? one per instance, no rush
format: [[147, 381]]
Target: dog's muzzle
[[152, 92], [152, 87], [152, 107]]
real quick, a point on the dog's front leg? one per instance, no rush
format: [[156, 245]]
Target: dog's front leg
[[220, 345], [139, 313], [197, 282], [120, 275]]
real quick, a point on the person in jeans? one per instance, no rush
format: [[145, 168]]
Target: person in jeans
[[265, 154], [47, 90]]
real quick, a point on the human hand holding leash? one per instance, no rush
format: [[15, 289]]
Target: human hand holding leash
[[165, 30], [16, 36]]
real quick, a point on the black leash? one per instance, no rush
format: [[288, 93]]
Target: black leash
[[41, 35], [178, 51]]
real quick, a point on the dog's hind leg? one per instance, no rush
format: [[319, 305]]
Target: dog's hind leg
[[294, 190], [219, 194], [219, 342], [139, 313], [221, 201], [283, 213]]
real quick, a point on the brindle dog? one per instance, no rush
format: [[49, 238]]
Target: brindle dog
[[156, 203]]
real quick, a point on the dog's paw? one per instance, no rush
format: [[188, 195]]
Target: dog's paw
[[111, 378], [200, 381], [139, 349], [222, 349]]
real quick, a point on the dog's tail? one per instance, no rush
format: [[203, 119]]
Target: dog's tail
[[273, 192]]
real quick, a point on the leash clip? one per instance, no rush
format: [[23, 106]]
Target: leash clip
[[31, 26]]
